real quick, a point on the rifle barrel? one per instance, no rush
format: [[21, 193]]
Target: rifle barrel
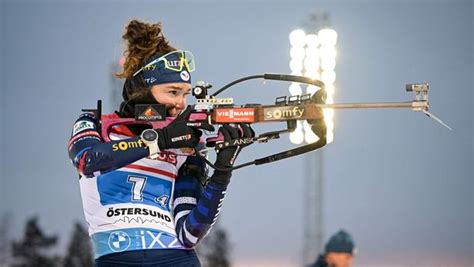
[[368, 105]]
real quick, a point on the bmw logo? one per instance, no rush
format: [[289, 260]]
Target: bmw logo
[[119, 241]]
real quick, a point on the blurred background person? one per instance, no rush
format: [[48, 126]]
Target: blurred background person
[[339, 251]]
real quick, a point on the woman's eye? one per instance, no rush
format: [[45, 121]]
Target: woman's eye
[[173, 92]]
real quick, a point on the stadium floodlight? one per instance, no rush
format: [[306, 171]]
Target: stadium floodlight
[[297, 53], [311, 64], [327, 52], [296, 65], [312, 40], [330, 89], [328, 64], [314, 55], [312, 74], [328, 113], [327, 37], [297, 136], [297, 38], [311, 89], [295, 89], [312, 52], [309, 135], [328, 76]]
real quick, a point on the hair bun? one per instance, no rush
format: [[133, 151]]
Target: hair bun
[[143, 41], [141, 35]]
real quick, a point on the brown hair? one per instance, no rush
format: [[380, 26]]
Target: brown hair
[[143, 40]]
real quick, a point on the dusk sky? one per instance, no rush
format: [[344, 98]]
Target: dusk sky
[[399, 182]]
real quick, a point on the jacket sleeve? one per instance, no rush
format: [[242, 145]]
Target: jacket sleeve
[[92, 156], [195, 207]]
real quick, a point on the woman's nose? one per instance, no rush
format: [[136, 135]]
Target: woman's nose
[[181, 102]]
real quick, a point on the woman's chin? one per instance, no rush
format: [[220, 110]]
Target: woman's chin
[[174, 112]]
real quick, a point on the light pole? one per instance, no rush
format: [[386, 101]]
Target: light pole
[[314, 56]]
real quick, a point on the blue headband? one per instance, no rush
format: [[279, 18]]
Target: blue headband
[[174, 67]]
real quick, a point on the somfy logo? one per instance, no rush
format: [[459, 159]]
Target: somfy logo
[[283, 113]]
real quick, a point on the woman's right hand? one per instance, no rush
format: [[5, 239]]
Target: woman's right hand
[[181, 132], [226, 157]]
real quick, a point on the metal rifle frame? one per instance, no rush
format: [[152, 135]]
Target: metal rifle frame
[[286, 109]]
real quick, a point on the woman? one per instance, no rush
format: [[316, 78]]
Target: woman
[[145, 197]]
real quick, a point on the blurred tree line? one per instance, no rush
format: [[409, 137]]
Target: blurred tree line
[[36, 248]]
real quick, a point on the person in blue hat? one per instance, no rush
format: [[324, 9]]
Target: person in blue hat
[[338, 252], [146, 195]]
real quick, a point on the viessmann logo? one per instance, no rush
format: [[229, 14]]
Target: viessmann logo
[[276, 113], [235, 115]]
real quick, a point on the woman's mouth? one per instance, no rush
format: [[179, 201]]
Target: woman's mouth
[[173, 112]]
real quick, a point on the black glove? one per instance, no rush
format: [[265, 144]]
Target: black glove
[[181, 132], [227, 155]]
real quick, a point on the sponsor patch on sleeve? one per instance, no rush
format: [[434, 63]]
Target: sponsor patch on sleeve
[[81, 126]]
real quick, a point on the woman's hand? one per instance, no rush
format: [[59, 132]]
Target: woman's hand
[[181, 132], [227, 155]]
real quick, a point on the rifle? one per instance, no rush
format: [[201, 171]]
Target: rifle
[[285, 109]]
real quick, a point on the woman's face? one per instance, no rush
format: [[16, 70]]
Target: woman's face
[[173, 95], [339, 259]]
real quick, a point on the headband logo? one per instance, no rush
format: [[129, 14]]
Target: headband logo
[[184, 75], [150, 67], [150, 80], [175, 63]]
